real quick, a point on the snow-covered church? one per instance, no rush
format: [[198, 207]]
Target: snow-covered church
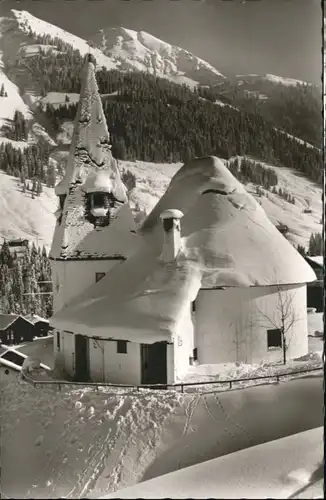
[[206, 279]]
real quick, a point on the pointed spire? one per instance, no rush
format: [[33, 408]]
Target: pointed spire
[[91, 170], [90, 144]]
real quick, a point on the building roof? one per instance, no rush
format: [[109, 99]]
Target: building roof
[[8, 319], [316, 259], [90, 168], [34, 318], [227, 241]]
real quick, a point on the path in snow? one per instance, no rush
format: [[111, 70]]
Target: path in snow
[[77, 443]]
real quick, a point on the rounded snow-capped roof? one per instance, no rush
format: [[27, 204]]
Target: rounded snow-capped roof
[[225, 231], [171, 214]]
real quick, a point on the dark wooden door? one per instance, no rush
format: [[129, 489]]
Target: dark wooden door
[[153, 363], [81, 359]]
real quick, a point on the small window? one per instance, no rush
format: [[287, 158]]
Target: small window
[[99, 276], [274, 338], [58, 341], [14, 357], [195, 354], [121, 346], [193, 306]]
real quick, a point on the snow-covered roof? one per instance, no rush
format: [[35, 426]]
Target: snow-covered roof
[[8, 319], [316, 259], [90, 168], [35, 318], [227, 241]]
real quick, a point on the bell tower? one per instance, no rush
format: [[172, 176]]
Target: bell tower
[[95, 229]]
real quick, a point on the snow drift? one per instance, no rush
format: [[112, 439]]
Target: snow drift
[[78, 442], [278, 469]]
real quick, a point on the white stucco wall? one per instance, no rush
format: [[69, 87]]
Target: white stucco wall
[[183, 345], [96, 360], [64, 359], [71, 278], [122, 368], [170, 363], [232, 324]]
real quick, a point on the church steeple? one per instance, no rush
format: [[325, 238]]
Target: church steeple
[[91, 195]]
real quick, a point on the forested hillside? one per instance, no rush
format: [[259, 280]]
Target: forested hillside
[[153, 119], [21, 290]]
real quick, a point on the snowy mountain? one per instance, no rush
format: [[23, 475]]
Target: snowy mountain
[[144, 52], [268, 77], [121, 49]]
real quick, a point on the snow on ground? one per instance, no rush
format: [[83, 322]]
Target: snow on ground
[[14, 101], [23, 217], [75, 443], [284, 81], [58, 99], [306, 193], [38, 132], [296, 139], [27, 20], [65, 134], [230, 371], [315, 324], [152, 181], [279, 469], [41, 348]]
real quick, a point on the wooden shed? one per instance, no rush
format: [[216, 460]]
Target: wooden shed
[[15, 329]]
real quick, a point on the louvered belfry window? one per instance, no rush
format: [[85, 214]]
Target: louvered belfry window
[[96, 201]]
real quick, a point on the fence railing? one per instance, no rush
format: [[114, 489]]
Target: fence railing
[[181, 385]]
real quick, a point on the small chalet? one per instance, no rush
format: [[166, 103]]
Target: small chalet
[[19, 247], [15, 329], [41, 325]]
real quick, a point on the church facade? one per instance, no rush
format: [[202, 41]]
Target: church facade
[[207, 279]]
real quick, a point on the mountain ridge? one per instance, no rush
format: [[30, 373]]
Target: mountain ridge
[[29, 91]]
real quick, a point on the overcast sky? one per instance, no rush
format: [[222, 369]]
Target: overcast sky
[[253, 36]]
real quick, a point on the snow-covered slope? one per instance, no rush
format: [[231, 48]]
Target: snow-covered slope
[[24, 217], [26, 21], [268, 77], [279, 468], [124, 49], [144, 52], [76, 442], [283, 81], [13, 102]]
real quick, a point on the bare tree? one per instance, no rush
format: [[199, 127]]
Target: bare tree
[[286, 318]]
